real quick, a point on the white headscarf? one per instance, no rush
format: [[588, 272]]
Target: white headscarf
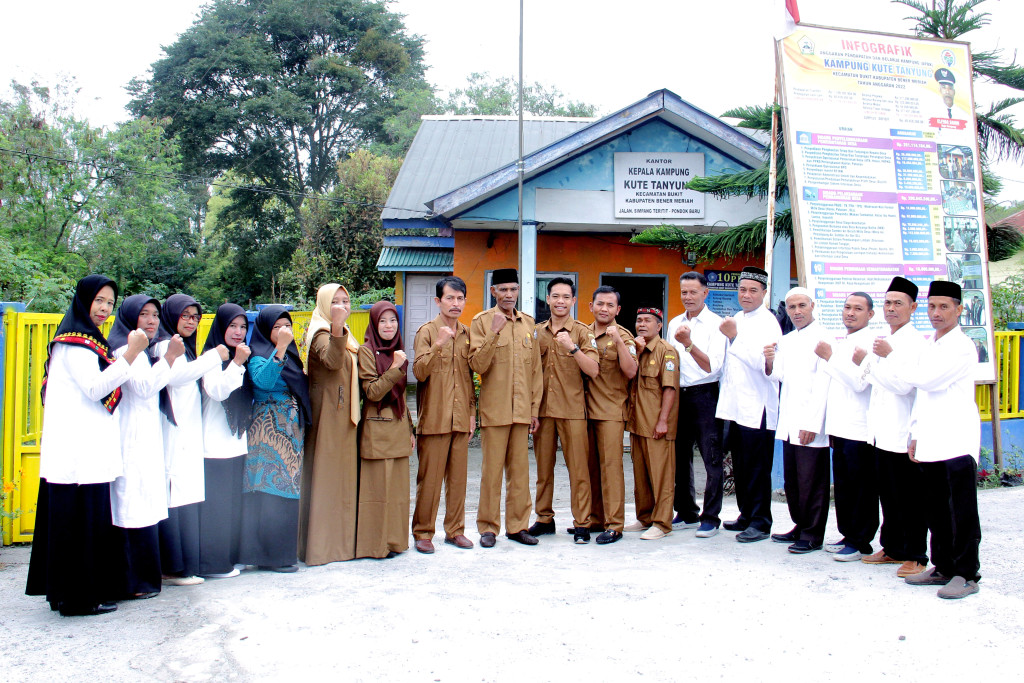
[[319, 321]]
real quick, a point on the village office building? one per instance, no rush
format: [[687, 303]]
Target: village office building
[[459, 181]]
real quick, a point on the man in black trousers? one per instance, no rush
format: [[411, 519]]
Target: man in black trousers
[[701, 347]]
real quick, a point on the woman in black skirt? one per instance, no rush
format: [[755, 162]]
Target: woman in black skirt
[[227, 412], [75, 551]]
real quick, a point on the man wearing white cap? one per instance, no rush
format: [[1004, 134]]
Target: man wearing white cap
[[794, 363], [750, 401]]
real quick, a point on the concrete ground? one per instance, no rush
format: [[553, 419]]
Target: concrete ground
[[681, 608]]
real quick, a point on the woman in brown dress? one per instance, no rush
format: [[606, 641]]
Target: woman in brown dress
[[330, 474], [386, 441]]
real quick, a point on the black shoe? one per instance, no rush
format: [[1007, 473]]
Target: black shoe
[[608, 536], [71, 610], [540, 528], [524, 537], [735, 525], [594, 528], [750, 535], [487, 539], [790, 536], [582, 535], [286, 569], [801, 547]]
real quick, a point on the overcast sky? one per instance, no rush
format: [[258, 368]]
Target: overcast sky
[[611, 53]]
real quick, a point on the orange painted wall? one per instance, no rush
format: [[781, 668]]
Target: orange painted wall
[[587, 254]]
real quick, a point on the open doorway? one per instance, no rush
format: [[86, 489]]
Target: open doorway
[[636, 291]]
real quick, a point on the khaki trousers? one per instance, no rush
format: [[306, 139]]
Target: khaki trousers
[[607, 481], [573, 435], [505, 449], [654, 475], [383, 507], [443, 458]]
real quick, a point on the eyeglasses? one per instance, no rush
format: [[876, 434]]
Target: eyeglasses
[[194, 318]]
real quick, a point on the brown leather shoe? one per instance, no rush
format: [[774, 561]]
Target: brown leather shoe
[[487, 539], [879, 558], [425, 546], [459, 541], [909, 568]]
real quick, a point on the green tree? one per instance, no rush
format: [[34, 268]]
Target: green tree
[[344, 235], [74, 198], [999, 137], [483, 96], [499, 96], [277, 91]]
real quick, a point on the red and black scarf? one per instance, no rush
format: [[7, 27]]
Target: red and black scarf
[[77, 329]]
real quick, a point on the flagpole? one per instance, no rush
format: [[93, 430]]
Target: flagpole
[[769, 235]]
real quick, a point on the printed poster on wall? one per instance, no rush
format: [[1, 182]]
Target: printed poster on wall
[[651, 185], [884, 173]]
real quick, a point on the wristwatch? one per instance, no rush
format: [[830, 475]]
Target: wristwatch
[[575, 349], [688, 348]]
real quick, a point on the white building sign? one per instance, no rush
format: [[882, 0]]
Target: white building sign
[[651, 185]]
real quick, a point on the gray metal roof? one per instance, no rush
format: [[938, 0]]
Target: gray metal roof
[[449, 152]]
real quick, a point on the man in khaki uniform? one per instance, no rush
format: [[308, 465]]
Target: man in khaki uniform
[[503, 352], [606, 414], [652, 420], [567, 352], [447, 417]]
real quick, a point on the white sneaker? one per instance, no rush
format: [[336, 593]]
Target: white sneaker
[[685, 525], [183, 580], [835, 546], [635, 526], [653, 534], [706, 531], [226, 575]]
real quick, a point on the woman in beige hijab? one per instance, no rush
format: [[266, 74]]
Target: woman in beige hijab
[[330, 474]]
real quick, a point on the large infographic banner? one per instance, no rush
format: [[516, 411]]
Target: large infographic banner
[[884, 177]]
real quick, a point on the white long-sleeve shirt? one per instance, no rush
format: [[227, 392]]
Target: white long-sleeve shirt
[[745, 394], [183, 443], [138, 498], [218, 441], [705, 335], [80, 443], [804, 385], [891, 397], [944, 421], [849, 394]]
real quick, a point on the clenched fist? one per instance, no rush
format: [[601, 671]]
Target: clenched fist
[[444, 335], [398, 359], [242, 352]]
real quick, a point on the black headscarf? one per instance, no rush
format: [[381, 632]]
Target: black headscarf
[[77, 328], [128, 320], [237, 406], [170, 313], [260, 345]]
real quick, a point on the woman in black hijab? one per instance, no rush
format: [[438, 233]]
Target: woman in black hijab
[[139, 496], [227, 413], [183, 440], [75, 551], [273, 465]]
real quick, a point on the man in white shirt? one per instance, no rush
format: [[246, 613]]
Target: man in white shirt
[[846, 423], [945, 437], [904, 532], [701, 347], [750, 401], [793, 362]]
